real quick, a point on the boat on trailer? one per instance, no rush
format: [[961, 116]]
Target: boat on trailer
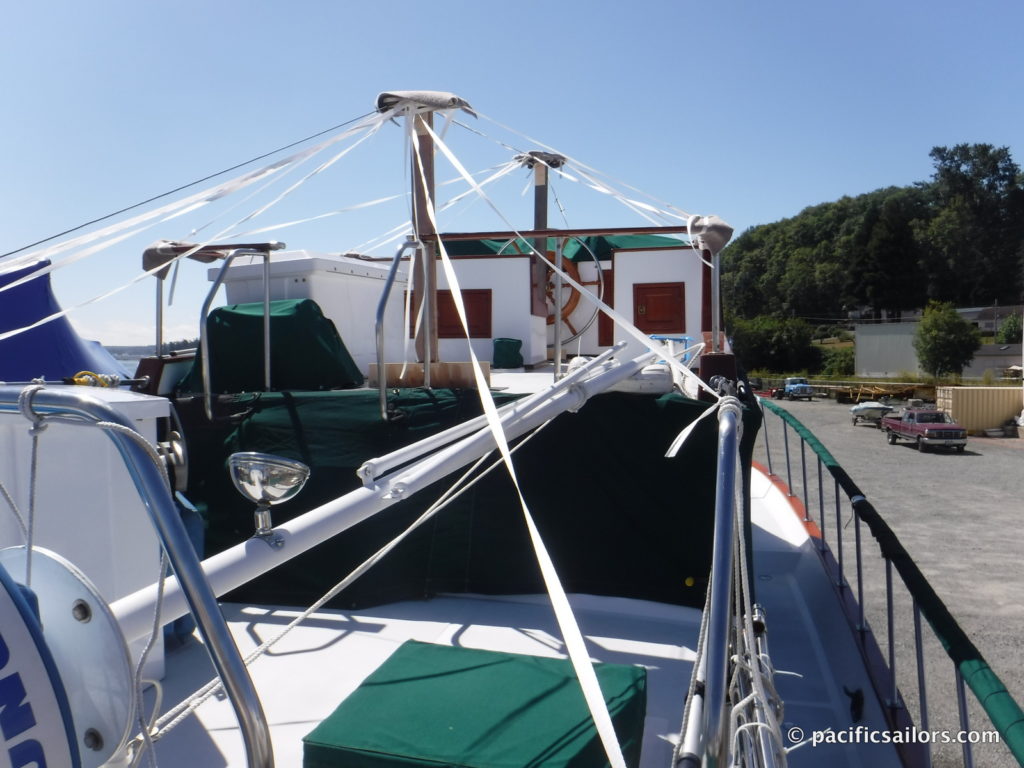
[[307, 544], [871, 411]]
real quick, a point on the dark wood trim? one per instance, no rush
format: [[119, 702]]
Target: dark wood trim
[[658, 248], [705, 298], [605, 325], [513, 255], [535, 233]]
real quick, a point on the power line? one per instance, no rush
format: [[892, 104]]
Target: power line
[[183, 187]]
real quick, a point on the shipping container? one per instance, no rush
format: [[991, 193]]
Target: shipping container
[[980, 408]]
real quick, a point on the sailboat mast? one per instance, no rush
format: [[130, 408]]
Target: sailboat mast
[[425, 276], [538, 271], [540, 162]]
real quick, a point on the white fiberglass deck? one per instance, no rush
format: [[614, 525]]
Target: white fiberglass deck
[[305, 677]]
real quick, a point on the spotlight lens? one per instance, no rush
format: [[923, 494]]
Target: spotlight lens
[[267, 479]]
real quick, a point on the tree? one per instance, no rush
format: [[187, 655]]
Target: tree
[[1010, 330], [944, 341], [971, 246], [957, 237], [768, 343], [840, 362]]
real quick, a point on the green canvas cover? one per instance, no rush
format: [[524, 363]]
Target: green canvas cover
[[618, 517], [437, 705], [306, 352], [508, 353]]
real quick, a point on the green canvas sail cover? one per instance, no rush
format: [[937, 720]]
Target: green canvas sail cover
[[306, 352], [438, 705]]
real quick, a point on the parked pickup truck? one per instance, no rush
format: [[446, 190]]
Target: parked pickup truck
[[794, 387], [927, 428]]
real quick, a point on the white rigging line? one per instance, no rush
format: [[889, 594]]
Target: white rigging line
[[636, 206], [370, 124], [669, 210], [319, 169], [318, 217], [255, 193], [168, 212], [571, 634], [396, 232], [619, 319]]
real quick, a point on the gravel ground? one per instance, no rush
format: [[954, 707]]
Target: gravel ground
[[960, 516]]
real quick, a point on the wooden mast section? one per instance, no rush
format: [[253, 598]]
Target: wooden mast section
[[418, 107], [424, 285], [540, 162]]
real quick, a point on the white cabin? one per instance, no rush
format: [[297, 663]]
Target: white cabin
[[658, 283]]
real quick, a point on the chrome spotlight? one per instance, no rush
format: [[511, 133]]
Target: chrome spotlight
[[266, 480]]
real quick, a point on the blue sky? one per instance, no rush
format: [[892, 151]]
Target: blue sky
[[749, 110]]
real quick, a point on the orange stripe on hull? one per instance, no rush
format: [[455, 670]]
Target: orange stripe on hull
[[795, 503]]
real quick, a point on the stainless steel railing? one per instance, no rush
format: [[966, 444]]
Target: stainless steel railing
[[382, 378], [720, 605], [849, 580], [705, 738], [262, 251], [156, 496]]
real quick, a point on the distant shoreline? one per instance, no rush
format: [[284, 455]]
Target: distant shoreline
[[136, 351], [130, 352]]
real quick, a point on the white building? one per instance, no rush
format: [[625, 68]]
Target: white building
[[886, 350], [657, 283]]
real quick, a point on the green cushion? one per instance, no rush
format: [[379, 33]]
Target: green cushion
[[508, 353], [437, 705]]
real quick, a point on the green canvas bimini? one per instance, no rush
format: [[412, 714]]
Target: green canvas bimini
[[437, 705]]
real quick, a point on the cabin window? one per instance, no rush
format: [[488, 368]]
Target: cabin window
[[478, 314], [659, 307]]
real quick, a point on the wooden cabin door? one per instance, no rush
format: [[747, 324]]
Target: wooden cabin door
[[659, 307]]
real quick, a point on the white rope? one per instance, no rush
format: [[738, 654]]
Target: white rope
[[146, 744], [587, 176], [571, 634], [38, 425]]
